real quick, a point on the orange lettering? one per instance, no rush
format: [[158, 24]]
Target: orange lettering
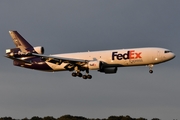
[[131, 54], [138, 55]]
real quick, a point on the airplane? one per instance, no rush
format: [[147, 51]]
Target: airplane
[[106, 61]]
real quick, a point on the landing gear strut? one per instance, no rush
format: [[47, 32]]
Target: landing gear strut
[[150, 68]]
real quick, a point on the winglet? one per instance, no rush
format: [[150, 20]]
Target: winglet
[[20, 42]]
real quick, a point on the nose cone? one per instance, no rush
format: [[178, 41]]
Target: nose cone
[[169, 55], [173, 55]]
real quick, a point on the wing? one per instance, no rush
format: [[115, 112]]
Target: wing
[[59, 60]]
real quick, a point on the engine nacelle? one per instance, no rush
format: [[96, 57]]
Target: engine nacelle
[[106, 68], [109, 70], [100, 66], [39, 49]]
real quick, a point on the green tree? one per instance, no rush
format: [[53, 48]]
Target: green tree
[[49, 118], [36, 118], [114, 118], [6, 118], [141, 119], [127, 118], [25, 118], [69, 117]]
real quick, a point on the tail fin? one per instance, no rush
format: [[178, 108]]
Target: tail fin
[[20, 42]]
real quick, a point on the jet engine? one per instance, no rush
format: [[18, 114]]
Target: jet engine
[[101, 66], [108, 70], [39, 49]]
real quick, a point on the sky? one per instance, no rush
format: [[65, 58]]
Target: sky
[[64, 26]]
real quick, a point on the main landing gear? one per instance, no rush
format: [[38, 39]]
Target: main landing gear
[[79, 74], [74, 74], [150, 68]]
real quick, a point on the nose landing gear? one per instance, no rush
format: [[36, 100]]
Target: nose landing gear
[[150, 68]]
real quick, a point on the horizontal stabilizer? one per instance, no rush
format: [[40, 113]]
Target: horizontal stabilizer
[[18, 59]]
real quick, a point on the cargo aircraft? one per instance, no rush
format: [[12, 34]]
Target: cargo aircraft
[[106, 61]]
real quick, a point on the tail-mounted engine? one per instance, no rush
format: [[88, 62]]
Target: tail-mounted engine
[[39, 49]]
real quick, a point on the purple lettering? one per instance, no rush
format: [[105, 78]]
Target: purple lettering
[[113, 55], [129, 55]]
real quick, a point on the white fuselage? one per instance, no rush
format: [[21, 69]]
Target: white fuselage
[[107, 61], [120, 57]]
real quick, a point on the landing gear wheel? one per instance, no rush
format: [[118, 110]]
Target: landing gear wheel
[[74, 74], [89, 76], [84, 76], [151, 71], [79, 74]]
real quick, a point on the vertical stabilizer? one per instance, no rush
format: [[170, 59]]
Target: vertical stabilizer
[[20, 42]]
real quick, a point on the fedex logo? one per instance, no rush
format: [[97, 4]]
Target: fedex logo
[[129, 55], [92, 64]]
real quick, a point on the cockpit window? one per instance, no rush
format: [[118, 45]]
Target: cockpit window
[[167, 51]]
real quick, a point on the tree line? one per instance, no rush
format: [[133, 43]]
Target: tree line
[[70, 117]]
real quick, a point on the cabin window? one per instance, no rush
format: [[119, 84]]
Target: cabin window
[[167, 51]]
